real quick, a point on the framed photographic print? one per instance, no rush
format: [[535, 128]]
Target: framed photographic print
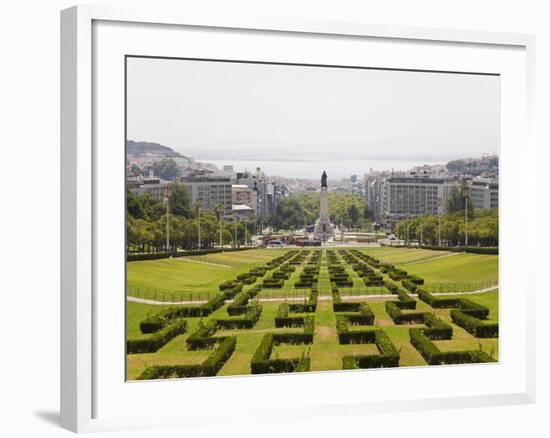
[[305, 218]]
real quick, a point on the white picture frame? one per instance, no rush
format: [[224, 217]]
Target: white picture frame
[[82, 44]]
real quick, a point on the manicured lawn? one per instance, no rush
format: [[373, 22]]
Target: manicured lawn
[[402, 255], [325, 352], [459, 268], [191, 278]]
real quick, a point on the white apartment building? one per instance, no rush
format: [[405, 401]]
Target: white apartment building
[[208, 192], [241, 194], [413, 195], [154, 186], [484, 193]]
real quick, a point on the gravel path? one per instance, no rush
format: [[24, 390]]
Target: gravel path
[[321, 298]]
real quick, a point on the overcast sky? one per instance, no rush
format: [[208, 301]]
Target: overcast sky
[[221, 110]]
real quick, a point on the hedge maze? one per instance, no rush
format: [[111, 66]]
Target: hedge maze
[[357, 331]]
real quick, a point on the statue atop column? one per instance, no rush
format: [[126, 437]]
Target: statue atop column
[[323, 228], [324, 179]]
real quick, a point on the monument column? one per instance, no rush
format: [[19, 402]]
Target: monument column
[[323, 228]]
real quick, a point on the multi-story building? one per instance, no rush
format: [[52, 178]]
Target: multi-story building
[[267, 193], [413, 195], [208, 192], [373, 182], [241, 194], [484, 193], [154, 186]]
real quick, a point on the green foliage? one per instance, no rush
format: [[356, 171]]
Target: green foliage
[[243, 321], [303, 208], [180, 200], [166, 168], [210, 367], [201, 338], [388, 357], [262, 362], [459, 199], [475, 326], [152, 324], [421, 340], [482, 230], [157, 340]]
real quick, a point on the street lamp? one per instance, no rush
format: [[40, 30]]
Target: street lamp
[[407, 230], [199, 214], [465, 192], [167, 201], [439, 228]]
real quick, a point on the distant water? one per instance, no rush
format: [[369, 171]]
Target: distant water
[[335, 169]]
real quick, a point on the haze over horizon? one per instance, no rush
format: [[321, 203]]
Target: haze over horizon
[[281, 113]]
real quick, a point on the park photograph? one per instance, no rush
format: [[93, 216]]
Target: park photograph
[[287, 218]]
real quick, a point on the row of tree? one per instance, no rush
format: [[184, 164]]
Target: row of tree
[[451, 228], [146, 229], [303, 209]]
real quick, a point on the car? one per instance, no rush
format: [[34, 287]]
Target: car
[[275, 244]]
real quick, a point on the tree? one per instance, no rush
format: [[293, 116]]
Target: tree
[[458, 198], [133, 205], [166, 169], [180, 202], [353, 214]]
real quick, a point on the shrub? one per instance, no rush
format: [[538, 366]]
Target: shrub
[[246, 278], [202, 338], [210, 367], [415, 279], [272, 283], [420, 339], [467, 306], [394, 311], [262, 363], [409, 285], [240, 303], [246, 321], [436, 327], [228, 285], [475, 326], [152, 324], [469, 249], [157, 340], [388, 357]]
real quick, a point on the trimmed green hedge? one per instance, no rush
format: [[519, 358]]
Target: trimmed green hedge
[[229, 284], [152, 324], [262, 363], [165, 255], [415, 279], [240, 303], [158, 340], [409, 285], [245, 321], [210, 367], [205, 309], [420, 339], [388, 357], [393, 309], [202, 338], [469, 249], [475, 326], [272, 283], [467, 306]]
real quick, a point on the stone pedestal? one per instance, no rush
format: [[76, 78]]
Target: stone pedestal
[[323, 228]]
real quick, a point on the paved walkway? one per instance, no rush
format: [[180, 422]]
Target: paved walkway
[[321, 298], [416, 262], [183, 259]]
